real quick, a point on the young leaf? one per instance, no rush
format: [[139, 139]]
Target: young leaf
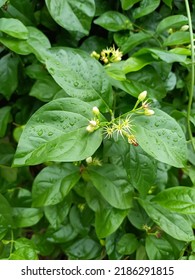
[[80, 76], [72, 15], [177, 199], [57, 132], [172, 223], [127, 244], [127, 4], [113, 21], [161, 137], [14, 28], [53, 183], [111, 181]]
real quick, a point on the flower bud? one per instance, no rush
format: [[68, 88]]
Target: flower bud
[[184, 27], [96, 111], [93, 123], [148, 112], [89, 160], [95, 55], [90, 128], [142, 95]]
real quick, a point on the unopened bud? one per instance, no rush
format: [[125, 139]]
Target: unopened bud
[[148, 112], [89, 160], [93, 123], [90, 128], [96, 111], [142, 95], [184, 27]]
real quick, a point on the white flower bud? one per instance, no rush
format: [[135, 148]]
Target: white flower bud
[[184, 27], [89, 160], [90, 128], [96, 111], [142, 95], [148, 112], [93, 123]]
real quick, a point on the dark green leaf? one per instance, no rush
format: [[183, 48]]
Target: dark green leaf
[[177, 38], [5, 213], [127, 244], [111, 181], [8, 75], [71, 14], [146, 7], [127, 4], [4, 119], [62, 234], [113, 21]]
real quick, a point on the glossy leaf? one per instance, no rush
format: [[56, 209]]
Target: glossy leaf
[[53, 183], [166, 56], [25, 217], [133, 64], [64, 233], [174, 21], [141, 169], [84, 249], [57, 132], [8, 75], [161, 137], [14, 28], [113, 185], [71, 14], [177, 199], [80, 76], [177, 38], [127, 4], [4, 119], [172, 223], [24, 253], [127, 244], [113, 21], [146, 7], [108, 220]]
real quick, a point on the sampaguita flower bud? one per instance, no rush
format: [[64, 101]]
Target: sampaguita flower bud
[[96, 111], [148, 112], [142, 95]]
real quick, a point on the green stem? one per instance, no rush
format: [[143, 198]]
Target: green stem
[[12, 242], [191, 91]]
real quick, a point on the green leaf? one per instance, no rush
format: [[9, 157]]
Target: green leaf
[[6, 153], [177, 199], [168, 3], [172, 223], [174, 21], [177, 38], [72, 15], [16, 45], [80, 76], [146, 7], [57, 213], [8, 75], [53, 183], [26, 217], [166, 56], [130, 41], [57, 132], [127, 244], [45, 89], [5, 213], [24, 253], [162, 248], [111, 181], [161, 137], [127, 4], [62, 234], [84, 249], [2, 2], [113, 21], [108, 220], [4, 119], [133, 64], [14, 28], [141, 169]]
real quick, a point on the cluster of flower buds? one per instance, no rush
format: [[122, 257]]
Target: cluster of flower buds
[[93, 161], [108, 55], [94, 123]]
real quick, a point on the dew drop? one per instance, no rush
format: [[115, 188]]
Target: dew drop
[[40, 132], [50, 133], [76, 84]]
